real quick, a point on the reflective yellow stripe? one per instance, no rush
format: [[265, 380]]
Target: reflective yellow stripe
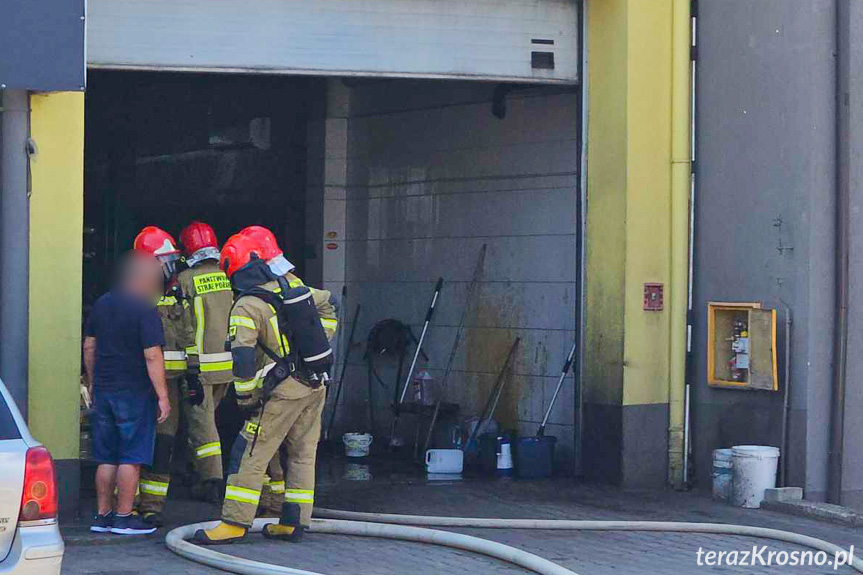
[[199, 320], [157, 488], [276, 486], [274, 323], [209, 450], [300, 495], [208, 283], [217, 366], [176, 364], [329, 323], [192, 350], [167, 300], [216, 361], [240, 321], [251, 427], [242, 495], [175, 360], [246, 386], [295, 283]]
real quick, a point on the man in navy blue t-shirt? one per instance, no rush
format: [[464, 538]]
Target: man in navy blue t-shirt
[[123, 342]]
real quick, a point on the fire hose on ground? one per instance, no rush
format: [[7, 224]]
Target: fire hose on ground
[[416, 528]]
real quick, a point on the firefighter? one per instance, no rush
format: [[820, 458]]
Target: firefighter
[[210, 300], [274, 484], [284, 404], [155, 479]]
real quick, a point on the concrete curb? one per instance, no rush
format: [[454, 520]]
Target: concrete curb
[[818, 511]]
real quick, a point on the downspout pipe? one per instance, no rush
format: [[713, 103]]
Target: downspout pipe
[[786, 403], [842, 225], [14, 242], [681, 182]]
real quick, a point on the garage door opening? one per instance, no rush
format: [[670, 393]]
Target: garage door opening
[[380, 186], [164, 149]]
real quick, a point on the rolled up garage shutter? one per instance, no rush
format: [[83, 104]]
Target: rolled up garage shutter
[[506, 40]]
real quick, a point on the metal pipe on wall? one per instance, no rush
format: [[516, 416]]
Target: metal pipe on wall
[[786, 403], [681, 182], [14, 242], [842, 225]]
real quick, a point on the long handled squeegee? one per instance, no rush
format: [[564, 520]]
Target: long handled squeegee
[[563, 373], [493, 399], [477, 272], [437, 289]]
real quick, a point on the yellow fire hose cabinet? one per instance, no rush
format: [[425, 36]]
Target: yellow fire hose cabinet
[[741, 346]]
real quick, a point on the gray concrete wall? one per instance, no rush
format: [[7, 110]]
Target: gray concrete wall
[[432, 175], [852, 480], [764, 215]]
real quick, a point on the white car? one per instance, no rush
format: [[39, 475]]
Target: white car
[[30, 542]]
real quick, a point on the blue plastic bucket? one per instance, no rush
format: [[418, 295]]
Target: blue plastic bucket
[[534, 456]]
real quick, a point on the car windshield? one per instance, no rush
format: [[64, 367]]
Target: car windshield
[[8, 428]]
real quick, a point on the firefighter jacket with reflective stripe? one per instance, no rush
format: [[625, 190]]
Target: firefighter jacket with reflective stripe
[[254, 320], [179, 333], [210, 298]]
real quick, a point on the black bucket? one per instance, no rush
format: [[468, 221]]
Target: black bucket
[[534, 456]]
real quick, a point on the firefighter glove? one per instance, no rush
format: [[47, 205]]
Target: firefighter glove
[[192, 389], [249, 404]]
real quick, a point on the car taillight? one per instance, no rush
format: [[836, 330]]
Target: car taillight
[[39, 499]]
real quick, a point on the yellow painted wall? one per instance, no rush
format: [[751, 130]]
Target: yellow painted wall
[[56, 227], [648, 230], [606, 200], [628, 203]]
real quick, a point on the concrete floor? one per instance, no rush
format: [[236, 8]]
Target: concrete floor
[[399, 490]]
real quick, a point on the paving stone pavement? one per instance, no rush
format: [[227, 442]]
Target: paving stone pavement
[[586, 553]]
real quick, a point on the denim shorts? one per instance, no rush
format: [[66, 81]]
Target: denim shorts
[[123, 427]]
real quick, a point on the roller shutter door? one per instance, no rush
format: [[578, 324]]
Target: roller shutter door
[[495, 40]]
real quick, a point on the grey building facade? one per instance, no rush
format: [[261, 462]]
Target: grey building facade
[[779, 138]]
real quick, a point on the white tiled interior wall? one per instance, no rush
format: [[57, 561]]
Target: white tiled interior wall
[[431, 176]]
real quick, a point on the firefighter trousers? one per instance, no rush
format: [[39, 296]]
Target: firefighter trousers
[[273, 491], [297, 423], [155, 478], [203, 434]]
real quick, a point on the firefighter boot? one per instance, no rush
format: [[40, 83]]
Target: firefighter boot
[[209, 491], [221, 534], [288, 528], [154, 518]]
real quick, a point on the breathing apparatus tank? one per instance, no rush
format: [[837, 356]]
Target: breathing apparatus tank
[[299, 320]]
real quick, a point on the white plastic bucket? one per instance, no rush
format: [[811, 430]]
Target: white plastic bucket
[[754, 473], [357, 444], [723, 467], [444, 461]]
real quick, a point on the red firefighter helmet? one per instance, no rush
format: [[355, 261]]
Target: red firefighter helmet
[[196, 236], [155, 241], [264, 240], [237, 252]]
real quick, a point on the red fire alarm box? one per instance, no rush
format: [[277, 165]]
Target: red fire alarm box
[[653, 300]]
